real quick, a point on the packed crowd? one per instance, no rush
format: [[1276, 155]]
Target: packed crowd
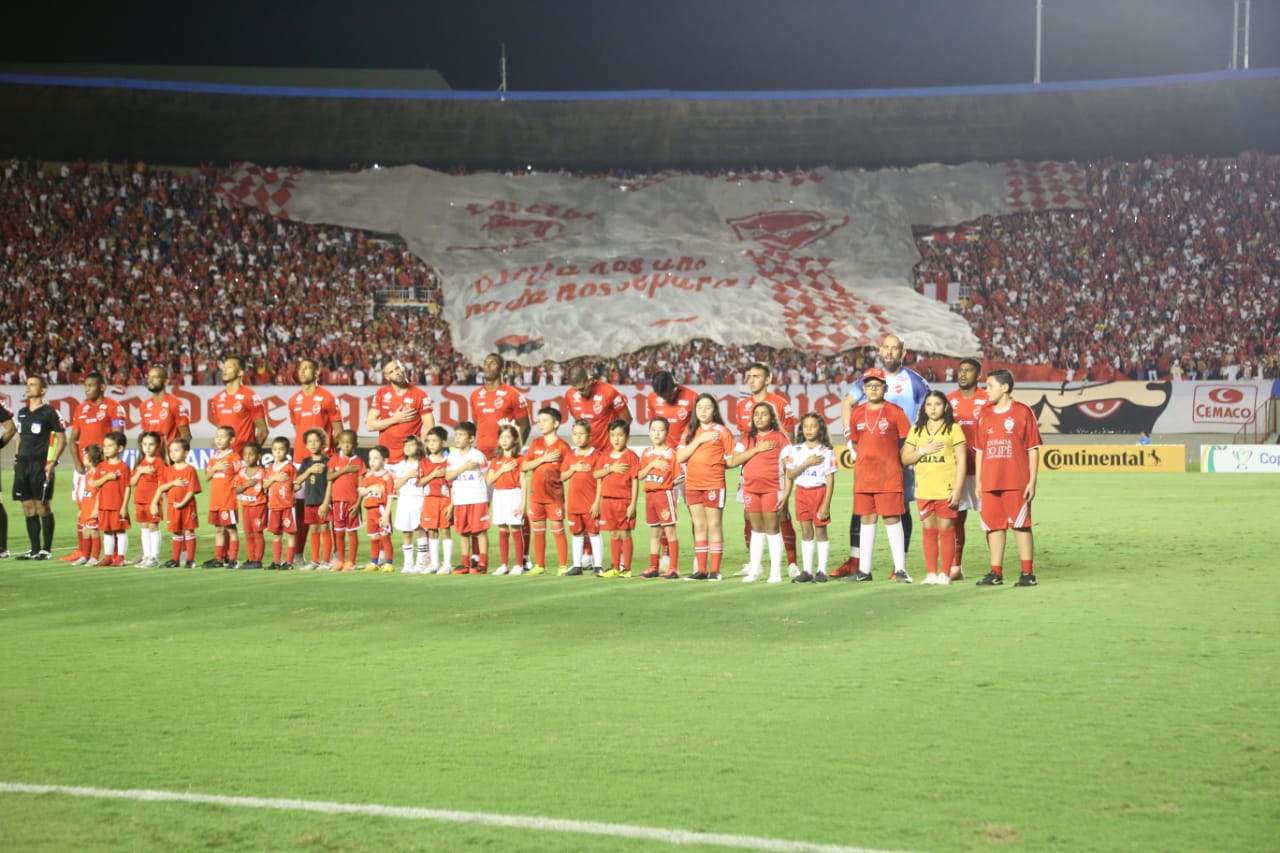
[[1176, 272]]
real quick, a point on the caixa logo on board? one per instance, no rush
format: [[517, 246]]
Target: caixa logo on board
[[1224, 404]]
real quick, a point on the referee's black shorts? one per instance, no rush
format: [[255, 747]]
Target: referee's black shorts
[[29, 483]]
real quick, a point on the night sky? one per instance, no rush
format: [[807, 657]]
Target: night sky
[[661, 44]]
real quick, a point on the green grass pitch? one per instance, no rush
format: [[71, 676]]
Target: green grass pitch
[[1128, 702]]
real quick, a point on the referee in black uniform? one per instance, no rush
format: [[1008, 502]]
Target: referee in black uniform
[[41, 439]]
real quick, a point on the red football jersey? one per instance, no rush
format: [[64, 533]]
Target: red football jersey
[[781, 407], [678, 414], [605, 405], [544, 481], [1004, 437], [221, 495], [580, 488], [493, 409], [166, 416], [657, 479], [111, 493], [762, 473], [238, 411], [345, 486], [966, 411], [386, 402], [95, 420], [877, 433], [704, 470], [313, 411], [613, 484]]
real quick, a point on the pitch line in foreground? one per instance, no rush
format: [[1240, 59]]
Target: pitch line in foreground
[[614, 830]]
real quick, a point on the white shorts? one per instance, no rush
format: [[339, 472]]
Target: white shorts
[[969, 498], [507, 508], [408, 512]]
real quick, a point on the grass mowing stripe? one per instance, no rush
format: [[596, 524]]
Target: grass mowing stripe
[[615, 830]]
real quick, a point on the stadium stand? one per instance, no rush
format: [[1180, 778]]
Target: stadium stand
[[1175, 272]]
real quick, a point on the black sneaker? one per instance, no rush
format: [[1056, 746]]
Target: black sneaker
[[189, 564], [819, 577], [1027, 579], [992, 579], [803, 577], [231, 564], [696, 576], [273, 567], [597, 572], [574, 571], [901, 576], [28, 555], [858, 577], [714, 576], [285, 567], [251, 564], [42, 555], [170, 564], [211, 564]]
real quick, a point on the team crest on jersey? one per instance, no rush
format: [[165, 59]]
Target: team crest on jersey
[[882, 425], [1008, 424], [315, 408]]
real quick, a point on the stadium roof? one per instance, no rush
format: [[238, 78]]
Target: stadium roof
[[66, 117]]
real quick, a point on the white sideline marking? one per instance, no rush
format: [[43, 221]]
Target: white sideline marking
[[616, 830]]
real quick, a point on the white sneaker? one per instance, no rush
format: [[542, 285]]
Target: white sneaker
[[501, 570], [664, 562], [930, 579], [79, 561], [89, 562], [943, 579], [957, 573], [517, 569], [793, 570], [751, 576], [744, 571], [775, 578]]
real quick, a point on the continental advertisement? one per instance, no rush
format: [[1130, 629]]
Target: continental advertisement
[[1113, 457], [1239, 459]]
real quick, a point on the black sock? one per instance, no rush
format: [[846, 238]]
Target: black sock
[[46, 524], [855, 531], [33, 531], [4, 529], [906, 531]]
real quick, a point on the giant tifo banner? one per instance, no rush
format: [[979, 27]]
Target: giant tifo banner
[[1125, 408], [557, 266]]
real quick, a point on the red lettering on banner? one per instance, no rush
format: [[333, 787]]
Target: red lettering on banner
[[529, 297], [451, 408], [195, 405], [475, 309], [274, 404], [534, 209], [352, 408]]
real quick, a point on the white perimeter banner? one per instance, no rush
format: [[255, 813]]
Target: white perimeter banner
[[1239, 459], [554, 266], [1124, 408]]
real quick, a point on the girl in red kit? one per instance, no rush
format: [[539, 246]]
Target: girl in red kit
[[704, 451], [759, 453]]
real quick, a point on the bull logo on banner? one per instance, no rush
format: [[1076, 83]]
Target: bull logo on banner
[[788, 230], [1109, 408]]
